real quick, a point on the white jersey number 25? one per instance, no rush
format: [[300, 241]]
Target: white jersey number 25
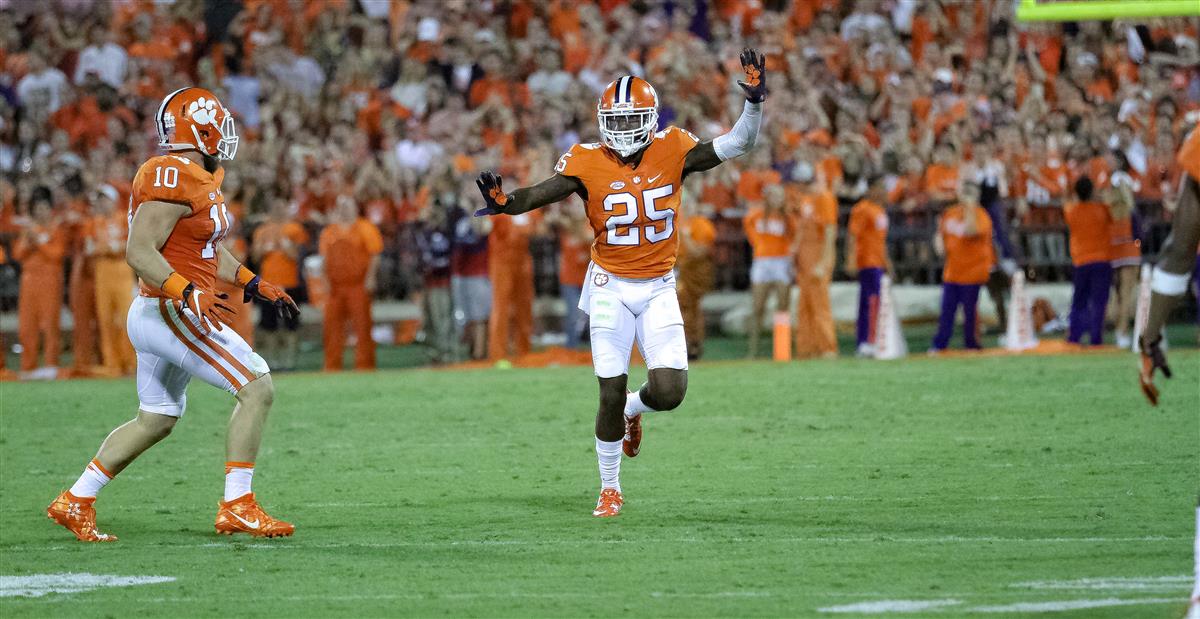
[[621, 230]]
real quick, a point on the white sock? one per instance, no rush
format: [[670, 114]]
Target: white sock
[[609, 454], [91, 481], [634, 405], [237, 479]]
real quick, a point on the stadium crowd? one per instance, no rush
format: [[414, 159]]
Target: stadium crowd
[[364, 123]]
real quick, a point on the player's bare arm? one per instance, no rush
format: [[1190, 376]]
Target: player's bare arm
[[744, 134], [152, 224], [229, 269], [554, 189]]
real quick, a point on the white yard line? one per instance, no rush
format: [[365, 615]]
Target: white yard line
[[1157, 584], [1059, 606], [879, 607], [37, 585]]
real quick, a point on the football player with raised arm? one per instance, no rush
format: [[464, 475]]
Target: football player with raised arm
[[178, 324], [630, 183], [1176, 259], [1168, 284]]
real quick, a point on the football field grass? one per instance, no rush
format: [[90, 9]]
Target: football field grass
[[948, 487]]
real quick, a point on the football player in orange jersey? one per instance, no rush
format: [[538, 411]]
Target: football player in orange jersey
[[1176, 260], [630, 183], [177, 324]]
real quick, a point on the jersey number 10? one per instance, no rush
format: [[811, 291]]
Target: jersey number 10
[[169, 177], [621, 230]]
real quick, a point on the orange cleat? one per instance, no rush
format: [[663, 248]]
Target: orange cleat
[[609, 504], [243, 515], [632, 443], [78, 515]]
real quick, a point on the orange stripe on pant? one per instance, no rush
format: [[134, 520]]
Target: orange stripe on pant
[[162, 307], [220, 350]]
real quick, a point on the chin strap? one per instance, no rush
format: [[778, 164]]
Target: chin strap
[[744, 134]]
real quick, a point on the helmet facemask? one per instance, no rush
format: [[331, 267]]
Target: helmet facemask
[[627, 130], [227, 145]]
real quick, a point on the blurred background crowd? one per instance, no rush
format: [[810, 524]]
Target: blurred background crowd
[[364, 123]]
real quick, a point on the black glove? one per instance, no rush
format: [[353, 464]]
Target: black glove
[[755, 66], [283, 302], [493, 194]]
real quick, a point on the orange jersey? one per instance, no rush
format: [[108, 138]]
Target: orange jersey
[[1122, 247], [107, 234], [192, 247], [968, 257], [632, 209], [814, 212], [1088, 225], [751, 183], [1189, 154], [347, 251], [275, 265], [700, 230], [1047, 183], [41, 252], [770, 236], [869, 227], [942, 178]]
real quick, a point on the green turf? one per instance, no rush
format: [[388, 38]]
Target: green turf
[[775, 490]]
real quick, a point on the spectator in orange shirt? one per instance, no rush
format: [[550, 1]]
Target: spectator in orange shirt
[[815, 212], [965, 239], [350, 248], [105, 245], [276, 248], [574, 254], [81, 283], [694, 269], [40, 249], [497, 83], [757, 176], [866, 257], [770, 232], [1125, 249], [1088, 226], [941, 178]]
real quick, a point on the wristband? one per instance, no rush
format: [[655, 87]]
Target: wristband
[[175, 285], [244, 276]]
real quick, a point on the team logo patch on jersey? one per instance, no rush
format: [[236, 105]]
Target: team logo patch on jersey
[[617, 185], [212, 195], [600, 279], [637, 180]]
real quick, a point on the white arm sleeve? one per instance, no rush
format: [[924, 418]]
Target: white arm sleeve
[[741, 138]]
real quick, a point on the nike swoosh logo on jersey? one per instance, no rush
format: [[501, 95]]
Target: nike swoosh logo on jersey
[[651, 180], [252, 525]]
